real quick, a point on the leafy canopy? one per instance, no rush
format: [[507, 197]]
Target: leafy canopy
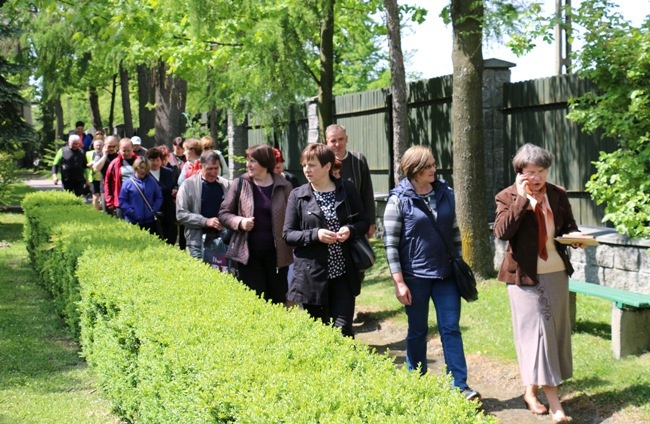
[[616, 57]]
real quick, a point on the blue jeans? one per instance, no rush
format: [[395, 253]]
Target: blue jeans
[[446, 301]]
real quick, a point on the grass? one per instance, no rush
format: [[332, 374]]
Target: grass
[[42, 377], [612, 385], [15, 193]]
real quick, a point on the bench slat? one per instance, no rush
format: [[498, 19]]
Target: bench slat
[[623, 298]]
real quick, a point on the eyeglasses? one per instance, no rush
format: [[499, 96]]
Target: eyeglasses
[[533, 174]]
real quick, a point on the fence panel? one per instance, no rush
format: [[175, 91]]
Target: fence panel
[[536, 113]]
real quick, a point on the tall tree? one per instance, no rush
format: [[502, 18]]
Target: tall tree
[[126, 99], [616, 57], [171, 94], [467, 122], [146, 103], [326, 80], [398, 86], [15, 132]]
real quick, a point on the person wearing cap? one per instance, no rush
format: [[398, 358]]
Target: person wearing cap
[[137, 146], [279, 168]]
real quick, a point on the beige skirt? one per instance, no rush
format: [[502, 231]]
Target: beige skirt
[[542, 329]]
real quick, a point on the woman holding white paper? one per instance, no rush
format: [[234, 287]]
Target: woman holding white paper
[[530, 214]]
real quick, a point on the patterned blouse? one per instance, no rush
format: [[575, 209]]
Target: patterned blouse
[[335, 259]]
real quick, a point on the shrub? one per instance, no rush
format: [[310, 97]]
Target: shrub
[[172, 340]]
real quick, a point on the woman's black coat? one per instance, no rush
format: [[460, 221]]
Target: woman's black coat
[[302, 221]]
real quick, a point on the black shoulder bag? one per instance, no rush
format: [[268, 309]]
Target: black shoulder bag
[[465, 280], [226, 233], [362, 254]]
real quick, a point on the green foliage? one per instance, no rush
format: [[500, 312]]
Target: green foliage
[[204, 348], [616, 57], [14, 130], [9, 174]]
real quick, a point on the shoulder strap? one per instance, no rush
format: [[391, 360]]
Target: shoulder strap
[[142, 194]]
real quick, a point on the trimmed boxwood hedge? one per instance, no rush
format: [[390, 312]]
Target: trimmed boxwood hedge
[[172, 340]]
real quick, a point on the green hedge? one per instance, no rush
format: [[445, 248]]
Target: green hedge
[[172, 340]]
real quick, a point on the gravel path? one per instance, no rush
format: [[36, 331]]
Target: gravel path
[[498, 382]]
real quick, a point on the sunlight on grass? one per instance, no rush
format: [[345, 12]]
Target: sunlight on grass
[[15, 193], [42, 377]]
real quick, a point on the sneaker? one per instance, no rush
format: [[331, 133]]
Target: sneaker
[[471, 394]]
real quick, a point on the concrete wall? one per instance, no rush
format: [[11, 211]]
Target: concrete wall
[[617, 262]]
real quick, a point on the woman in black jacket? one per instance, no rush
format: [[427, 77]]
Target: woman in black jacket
[[322, 217]]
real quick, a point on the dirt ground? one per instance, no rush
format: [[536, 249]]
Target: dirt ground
[[498, 382]]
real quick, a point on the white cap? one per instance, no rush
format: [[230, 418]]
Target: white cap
[[136, 140]]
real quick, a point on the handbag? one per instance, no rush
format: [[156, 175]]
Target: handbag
[[463, 274], [157, 222], [226, 233], [362, 254]]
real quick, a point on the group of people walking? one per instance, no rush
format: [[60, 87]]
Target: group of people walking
[[271, 224]]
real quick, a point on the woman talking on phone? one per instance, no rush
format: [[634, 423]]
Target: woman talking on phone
[[530, 214]]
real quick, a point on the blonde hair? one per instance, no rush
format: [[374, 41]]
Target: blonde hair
[[415, 160], [141, 160], [207, 143]]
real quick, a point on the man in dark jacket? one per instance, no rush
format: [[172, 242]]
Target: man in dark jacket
[[71, 161], [354, 168]]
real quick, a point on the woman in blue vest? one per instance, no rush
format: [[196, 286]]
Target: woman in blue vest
[[419, 228]]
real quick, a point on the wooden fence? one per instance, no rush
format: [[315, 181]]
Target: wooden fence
[[532, 111]]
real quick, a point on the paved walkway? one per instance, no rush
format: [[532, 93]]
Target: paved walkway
[[45, 184]]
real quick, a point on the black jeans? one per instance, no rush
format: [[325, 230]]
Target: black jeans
[[339, 312], [262, 275]]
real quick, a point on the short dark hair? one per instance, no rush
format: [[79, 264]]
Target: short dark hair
[[210, 156], [178, 141], [321, 153], [154, 153], [79, 124], [264, 155]]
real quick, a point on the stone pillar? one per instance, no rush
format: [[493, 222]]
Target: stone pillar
[[495, 74], [312, 120], [237, 145], [630, 335]]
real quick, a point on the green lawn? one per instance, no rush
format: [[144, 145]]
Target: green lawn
[[42, 377], [15, 193], [612, 384]]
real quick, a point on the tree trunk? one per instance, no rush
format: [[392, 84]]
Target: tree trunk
[[95, 116], [467, 122], [146, 96], [326, 83], [48, 132], [58, 114], [398, 86], [171, 95], [111, 115], [126, 100], [237, 145]]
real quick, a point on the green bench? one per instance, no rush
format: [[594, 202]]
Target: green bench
[[630, 316]]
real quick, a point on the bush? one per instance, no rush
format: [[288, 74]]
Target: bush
[[9, 174], [172, 340]]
